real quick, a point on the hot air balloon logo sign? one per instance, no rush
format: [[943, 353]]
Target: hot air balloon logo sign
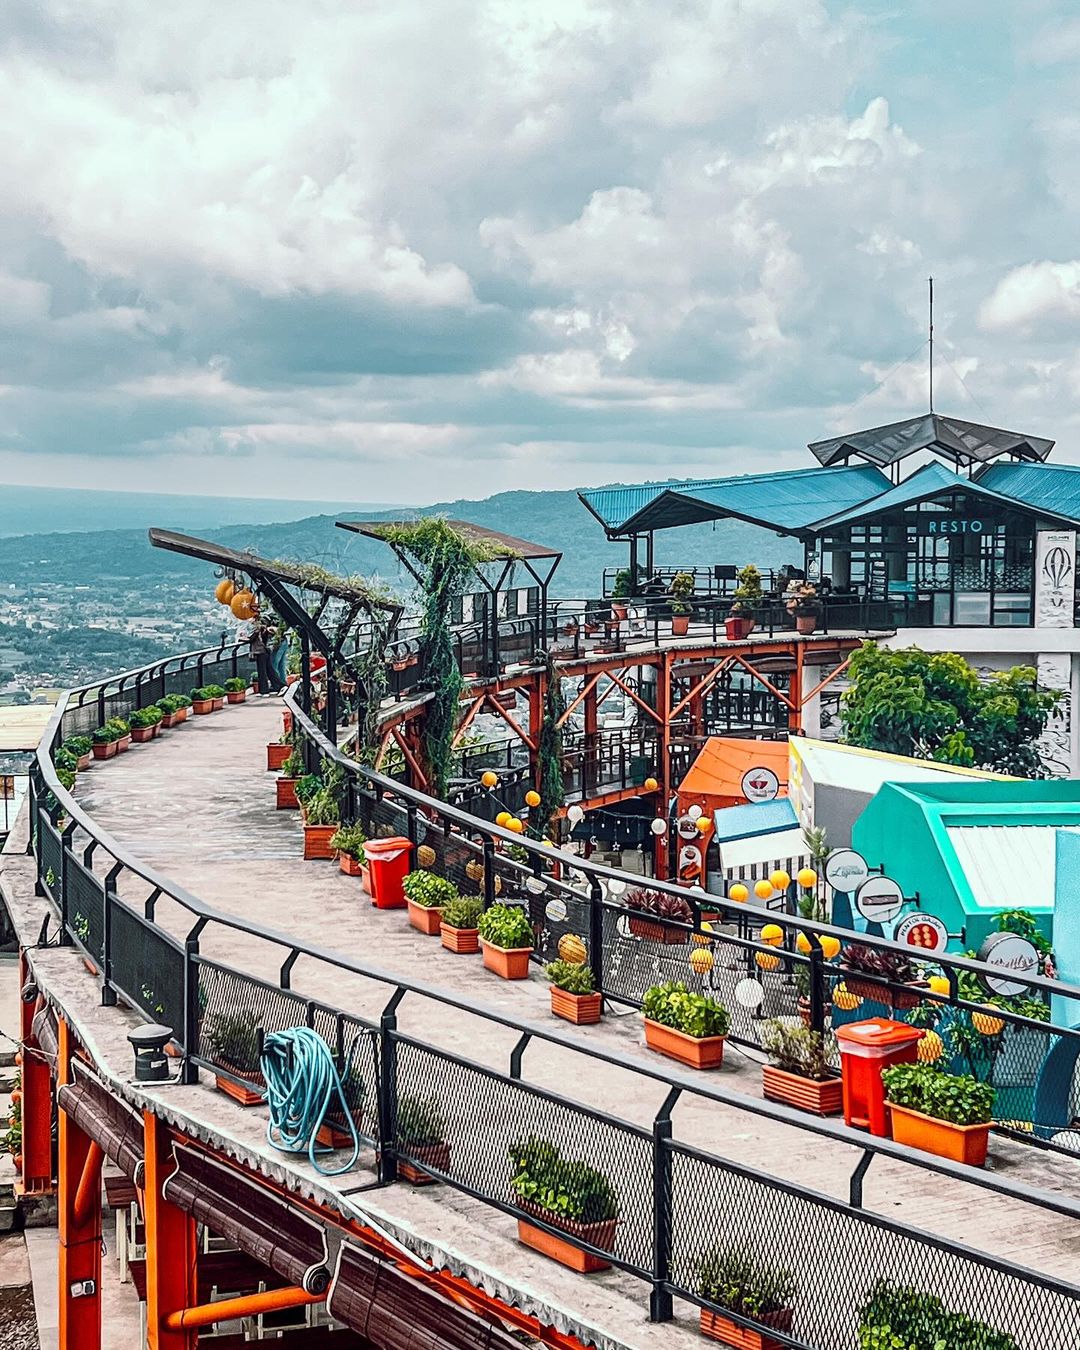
[[1056, 568]]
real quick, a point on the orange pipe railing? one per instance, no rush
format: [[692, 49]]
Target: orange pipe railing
[[249, 1305]]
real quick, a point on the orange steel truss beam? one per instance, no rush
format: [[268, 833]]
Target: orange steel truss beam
[[87, 1194], [410, 759], [582, 694], [171, 1254], [249, 1305], [37, 1101], [497, 707], [466, 721], [630, 694], [702, 685], [757, 675], [829, 678], [80, 1235]]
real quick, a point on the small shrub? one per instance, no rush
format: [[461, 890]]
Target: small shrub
[[642, 900], [146, 717], [574, 979], [733, 1278], [105, 735], [201, 694], [561, 1186], [64, 759], [77, 745], [233, 1038], [350, 840], [119, 725], [958, 1099], [462, 912], [235, 685], [214, 691], [697, 1015], [899, 1317], [887, 965], [307, 787], [420, 1121], [293, 766], [506, 926], [797, 1049], [428, 890]]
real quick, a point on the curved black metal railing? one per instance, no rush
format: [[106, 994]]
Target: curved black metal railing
[[674, 1200]]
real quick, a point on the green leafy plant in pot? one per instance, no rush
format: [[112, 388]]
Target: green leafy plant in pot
[[348, 843], [944, 1113], [232, 1040], [737, 1281], [458, 928], [684, 1025], [901, 1317], [426, 895], [682, 588], [506, 938], [574, 996], [798, 1071], [421, 1133], [566, 1194]]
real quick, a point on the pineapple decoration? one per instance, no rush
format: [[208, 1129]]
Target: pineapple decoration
[[572, 949], [425, 855], [474, 870]]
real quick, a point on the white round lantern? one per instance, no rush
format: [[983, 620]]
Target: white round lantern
[[574, 814], [659, 826], [693, 811]]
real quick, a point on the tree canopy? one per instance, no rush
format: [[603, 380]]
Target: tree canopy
[[933, 705]]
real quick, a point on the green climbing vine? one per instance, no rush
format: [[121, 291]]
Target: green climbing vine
[[370, 668], [444, 557], [549, 751]]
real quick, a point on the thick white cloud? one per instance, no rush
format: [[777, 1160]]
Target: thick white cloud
[[467, 244]]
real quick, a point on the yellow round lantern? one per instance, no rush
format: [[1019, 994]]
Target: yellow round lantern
[[763, 889], [650, 785], [844, 999], [702, 939], [572, 949], [802, 944], [772, 935], [704, 824], [516, 825], [532, 797], [243, 605], [488, 778], [780, 880], [739, 893], [938, 984], [225, 590], [767, 961], [503, 818], [986, 1024], [807, 878], [701, 960], [930, 1048], [425, 855], [830, 946]]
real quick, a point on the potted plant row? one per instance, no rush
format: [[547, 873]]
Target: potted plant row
[[685, 1026], [458, 929], [348, 843], [574, 996], [145, 724], [80, 748], [566, 1194], [506, 939], [174, 709], [798, 1071], [648, 906], [896, 1315], [232, 1040], [426, 894], [943, 1113], [737, 1282]]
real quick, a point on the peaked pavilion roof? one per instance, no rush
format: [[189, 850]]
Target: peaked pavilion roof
[[964, 443]]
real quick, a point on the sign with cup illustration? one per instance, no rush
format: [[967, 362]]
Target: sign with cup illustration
[[760, 785], [879, 899], [846, 870], [1015, 957]]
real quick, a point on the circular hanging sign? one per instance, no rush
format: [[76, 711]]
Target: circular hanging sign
[[925, 931], [879, 899], [1015, 957], [760, 785], [846, 870], [687, 827], [555, 910]]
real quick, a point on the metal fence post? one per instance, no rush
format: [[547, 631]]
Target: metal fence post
[[817, 985], [660, 1309], [65, 854], [489, 872], [108, 895], [189, 1070], [596, 933], [387, 1085]]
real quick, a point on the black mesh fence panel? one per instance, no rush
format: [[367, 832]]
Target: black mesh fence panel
[[86, 908], [147, 967], [49, 858]]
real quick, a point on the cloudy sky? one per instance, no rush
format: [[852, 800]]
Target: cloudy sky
[[430, 249]]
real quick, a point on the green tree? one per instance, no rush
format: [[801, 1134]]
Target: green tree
[[933, 705]]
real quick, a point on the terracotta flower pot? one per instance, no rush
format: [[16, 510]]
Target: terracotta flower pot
[[84, 761], [737, 627], [600, 1235], [509, 963], [276, 755], [123, 743], [365, 878], [286, 794], [140, 735], [805, 624], [349, 865], [618, 610], [825, 1098], [680, 625], [961, 1143], [464, 941], [720, 1328], [219, 703], [582, 1009], [106, 751], [317, 841], [699, 1052], [156, 729], [435, 1155], [425, 918], [203, 706], [658, 932], [236, 695], [246, 1096]]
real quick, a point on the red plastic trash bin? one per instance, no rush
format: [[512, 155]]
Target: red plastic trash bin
[[388, 865], [865, 1049]]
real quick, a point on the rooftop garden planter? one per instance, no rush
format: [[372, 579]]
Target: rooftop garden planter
[[565, 1194], [736, 1281], [573, 996], [685, 1026], [348, 843], [322, 815], [947, 1114], [104, 742], [144, 721], [506, 938], [291, 772], [81, 750], [426, 895], [277, 752], [421, 1132], [648, 906], [899, 1315], [217, 694], [236, 690], [459, 925], [202, 701], [121, 733], [232, 1040], [798, 1073], [859, 960]]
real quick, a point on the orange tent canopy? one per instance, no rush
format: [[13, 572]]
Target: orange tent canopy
[[714, 780]]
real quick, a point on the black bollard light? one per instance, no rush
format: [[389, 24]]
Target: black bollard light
[[151, 1061]]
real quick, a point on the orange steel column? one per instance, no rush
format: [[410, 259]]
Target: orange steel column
[[537, 694], [37, 1099], [663, 709], [171, 1281], [80, 1233], [590, 744], [796, 692]]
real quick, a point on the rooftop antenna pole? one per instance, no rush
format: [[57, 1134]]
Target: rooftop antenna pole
[[931, 344]]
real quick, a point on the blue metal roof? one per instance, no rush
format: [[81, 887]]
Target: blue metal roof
[[1053, 487], [786, 500], [925, 483], [753, 818]]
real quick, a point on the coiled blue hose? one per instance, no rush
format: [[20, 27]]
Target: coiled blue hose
[[301, 1082]]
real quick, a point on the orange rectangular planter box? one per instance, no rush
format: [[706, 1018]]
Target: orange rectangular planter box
[[276, 754], [962, 1143], [435, 1155], [286, 794], [510, 963], [348, 864], [140, 735], [600, 1235], [824, 1098], [705, 1052], [105, 751], [203, 706], [425, 918], [240, 1092], [464, 941], [236, 695], [654, 931], [365, 878], [720, 1328], [581, 1009], [317, 841]]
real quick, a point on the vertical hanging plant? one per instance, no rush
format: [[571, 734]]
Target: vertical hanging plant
[[549, 750], [444, 557], [372, 681]]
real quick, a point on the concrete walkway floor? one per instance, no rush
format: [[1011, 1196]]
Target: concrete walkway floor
[[198, 805]]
